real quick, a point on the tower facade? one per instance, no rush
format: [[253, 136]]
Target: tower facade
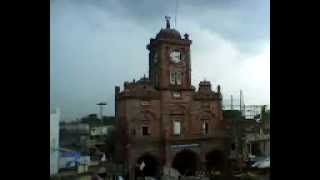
[[169, 60], [164, 122]]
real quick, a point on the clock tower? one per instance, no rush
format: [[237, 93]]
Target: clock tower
[[163, 121], [169, 60]]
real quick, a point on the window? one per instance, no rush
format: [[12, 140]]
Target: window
[[205, 127], [175, 77], [233, 146], [145, 131], [172, 77], [176, 127]]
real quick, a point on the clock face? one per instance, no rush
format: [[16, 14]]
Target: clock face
[[175, 56], [155, 57]]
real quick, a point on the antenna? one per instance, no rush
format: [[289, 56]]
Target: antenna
[[176, 12]]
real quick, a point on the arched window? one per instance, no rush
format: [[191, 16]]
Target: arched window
[[205, 127], [176, 77], [176, 127]]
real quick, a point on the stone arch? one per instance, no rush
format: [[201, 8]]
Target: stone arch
[[186, 162], [147, 165]]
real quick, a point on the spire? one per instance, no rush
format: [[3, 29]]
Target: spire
[[168, 21]]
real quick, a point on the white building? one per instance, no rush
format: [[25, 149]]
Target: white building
[[54, 141], [100, 130], [76, 126]]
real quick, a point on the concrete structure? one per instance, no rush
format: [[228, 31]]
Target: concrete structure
[[259, 143], [238, 128], [163, 121], [100, 130], [76, 136], [54, 141], [75, 126], [98, 126], [248, 136]]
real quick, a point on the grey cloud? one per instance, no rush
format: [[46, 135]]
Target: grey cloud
[[97, 44], [242, 21]]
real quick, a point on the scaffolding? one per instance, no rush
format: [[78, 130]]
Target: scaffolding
[[247, 111]]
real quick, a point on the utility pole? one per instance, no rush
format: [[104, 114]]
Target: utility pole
[[240, 102], [242, 106], [231, 103]]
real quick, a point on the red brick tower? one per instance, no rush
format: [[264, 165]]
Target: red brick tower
[[167, 122]]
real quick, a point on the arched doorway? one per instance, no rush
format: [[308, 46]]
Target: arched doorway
[[147, 165], [216, 160], [186, 162]]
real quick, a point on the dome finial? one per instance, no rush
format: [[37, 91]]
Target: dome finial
[[168, 21]]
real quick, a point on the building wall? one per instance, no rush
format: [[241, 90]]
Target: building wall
[[54, 141], [159, 116], [141, 113]]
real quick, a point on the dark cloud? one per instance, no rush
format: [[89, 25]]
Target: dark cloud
[[97, 44], [243, 21], [239, 20]]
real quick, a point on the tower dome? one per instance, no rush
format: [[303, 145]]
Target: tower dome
[[168, 33]]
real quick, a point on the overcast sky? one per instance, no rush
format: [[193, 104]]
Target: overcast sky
[[98, 44]]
